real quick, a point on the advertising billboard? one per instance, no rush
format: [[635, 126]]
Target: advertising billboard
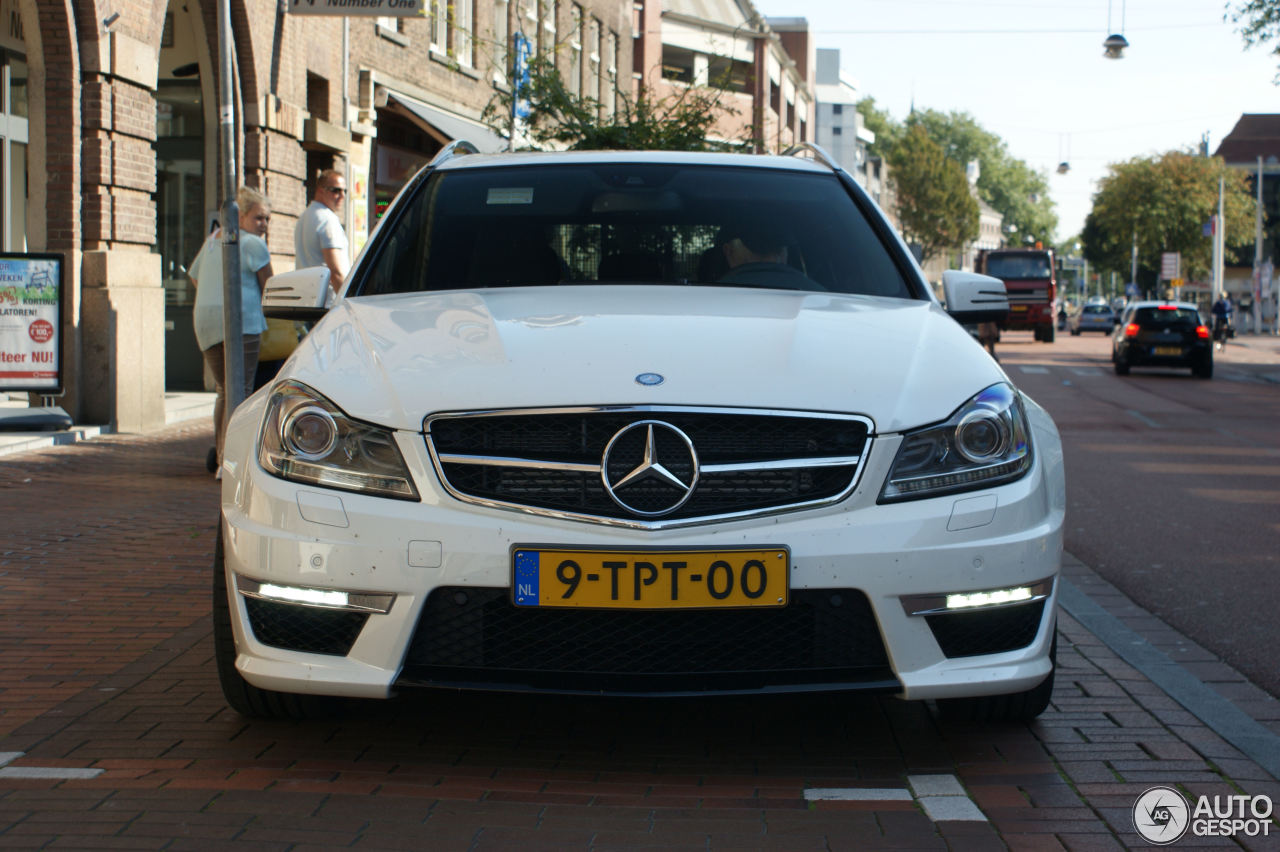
[[31, 323]]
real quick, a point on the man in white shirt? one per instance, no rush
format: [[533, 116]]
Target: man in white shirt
[[318, 238]]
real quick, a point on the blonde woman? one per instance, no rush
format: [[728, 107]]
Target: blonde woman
[[255, 269]]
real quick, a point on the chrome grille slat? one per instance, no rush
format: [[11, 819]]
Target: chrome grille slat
[[549, 461]]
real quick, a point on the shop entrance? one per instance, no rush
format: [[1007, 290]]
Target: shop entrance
[[183, 218]]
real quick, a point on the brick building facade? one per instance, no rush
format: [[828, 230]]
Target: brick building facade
[[109, 131]]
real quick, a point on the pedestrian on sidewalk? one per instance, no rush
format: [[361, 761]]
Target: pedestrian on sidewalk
[[255, 269], [989, 336], [319, 239]]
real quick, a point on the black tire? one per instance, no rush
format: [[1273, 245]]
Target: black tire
[[1049, 334], [211, 459], [243, 697], [1204, 369], [1015, 707], [1122, 367]]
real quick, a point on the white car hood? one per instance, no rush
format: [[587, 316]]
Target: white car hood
[[392, 360]]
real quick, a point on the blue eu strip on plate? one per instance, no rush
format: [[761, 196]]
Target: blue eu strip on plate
[[526, 579]]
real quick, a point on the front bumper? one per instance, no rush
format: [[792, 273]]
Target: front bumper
[[421, 558]]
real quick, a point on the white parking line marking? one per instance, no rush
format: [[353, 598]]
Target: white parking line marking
[[857, 794], [942, 797], [1086, 371], [936, 785], [1038, 371], [46, 772], [961, 808]]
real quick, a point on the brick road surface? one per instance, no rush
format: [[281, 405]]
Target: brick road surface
[[106, 665]]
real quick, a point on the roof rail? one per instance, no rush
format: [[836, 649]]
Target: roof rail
[[456, 148], [818, 154]]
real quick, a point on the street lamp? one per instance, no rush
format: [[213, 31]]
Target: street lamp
[[1114, 45]]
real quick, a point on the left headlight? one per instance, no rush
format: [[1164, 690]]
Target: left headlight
[[984, 443], [306, 438]]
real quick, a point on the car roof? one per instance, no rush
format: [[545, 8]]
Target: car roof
[[680, 158]]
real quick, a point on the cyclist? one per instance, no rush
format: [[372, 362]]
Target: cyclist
[[1221, 321]]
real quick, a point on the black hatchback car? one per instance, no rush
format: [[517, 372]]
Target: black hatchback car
[[1162, 334]]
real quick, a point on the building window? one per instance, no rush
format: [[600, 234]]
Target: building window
[[464, 12], [548, 9], [575, 50], [837, 131], [804, 130], [729, 74], [440, 26], [837, 109], [500, 40], [611, 75], [677, 64], [593, 71], [317, 96]]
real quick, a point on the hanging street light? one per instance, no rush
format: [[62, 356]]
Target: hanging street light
[[1113, 47]]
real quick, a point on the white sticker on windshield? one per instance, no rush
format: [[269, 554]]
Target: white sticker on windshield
[[511, 195]]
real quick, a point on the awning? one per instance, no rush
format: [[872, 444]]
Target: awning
[[447, 126]]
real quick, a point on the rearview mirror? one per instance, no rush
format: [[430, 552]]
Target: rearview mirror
[[974, 298], [297, 295]]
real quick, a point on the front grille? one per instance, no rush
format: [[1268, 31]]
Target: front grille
[[553, 460], [475, 637], [304, 628], [968, 634], [1028, 295]]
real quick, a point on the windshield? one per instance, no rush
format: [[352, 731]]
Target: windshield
[[633, 223], [1018, 265]]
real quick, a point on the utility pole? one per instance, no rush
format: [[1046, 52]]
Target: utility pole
[[1218, 234], [1133, 263], [232, 334], [1257, 259]]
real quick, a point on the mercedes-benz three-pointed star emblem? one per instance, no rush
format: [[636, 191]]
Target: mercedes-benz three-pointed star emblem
[[649, 467]]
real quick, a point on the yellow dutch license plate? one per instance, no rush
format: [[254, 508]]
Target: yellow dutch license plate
[[650, 579], [1168, 350]]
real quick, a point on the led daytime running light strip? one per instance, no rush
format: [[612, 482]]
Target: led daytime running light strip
[[320, 598], [976, 599], [983, 599]]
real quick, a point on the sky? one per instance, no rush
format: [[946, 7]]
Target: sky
[[1033, 73]]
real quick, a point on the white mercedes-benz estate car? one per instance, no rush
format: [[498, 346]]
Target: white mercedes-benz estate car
[[642, 424]]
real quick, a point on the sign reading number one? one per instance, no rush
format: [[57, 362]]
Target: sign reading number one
[[361, 8]]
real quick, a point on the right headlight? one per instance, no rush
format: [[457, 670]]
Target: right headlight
[[306, 438], [985, 442]]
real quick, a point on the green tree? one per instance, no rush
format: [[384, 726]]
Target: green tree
[[1259, 22], [879, 122], [935, 208], [559, 118], [1164, 201], [1012, 188]]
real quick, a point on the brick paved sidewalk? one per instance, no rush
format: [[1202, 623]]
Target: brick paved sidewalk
[[113, 733]]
